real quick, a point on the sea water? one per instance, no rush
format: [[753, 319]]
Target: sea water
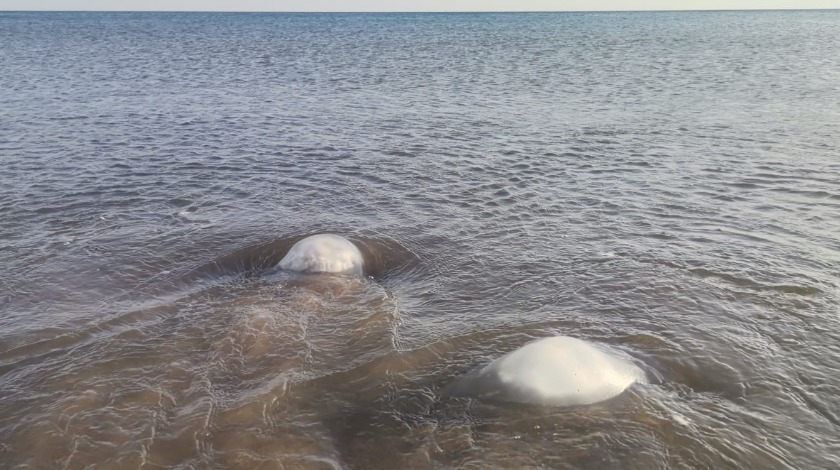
[[665, 186]]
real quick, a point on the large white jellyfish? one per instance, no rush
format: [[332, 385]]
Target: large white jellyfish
[[554, 371], [325, 253]]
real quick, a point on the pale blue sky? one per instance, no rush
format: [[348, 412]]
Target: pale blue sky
[[411, 5]]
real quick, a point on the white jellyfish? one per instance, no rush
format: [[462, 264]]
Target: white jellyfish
[[554, 371], [324, 253]]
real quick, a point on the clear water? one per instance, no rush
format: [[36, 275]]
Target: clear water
[[663, 184]]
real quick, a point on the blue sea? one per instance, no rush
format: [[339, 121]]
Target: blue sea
[[664, 186]]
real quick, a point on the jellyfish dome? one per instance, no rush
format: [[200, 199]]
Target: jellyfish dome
[[324, 253], [554, 371]]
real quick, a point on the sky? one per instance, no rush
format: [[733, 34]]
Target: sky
[[412, 5]]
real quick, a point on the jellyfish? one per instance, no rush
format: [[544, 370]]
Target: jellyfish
[[324, 253], [553, 371]]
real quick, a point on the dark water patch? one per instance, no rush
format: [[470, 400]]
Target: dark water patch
[[688, 224], [808, 194], [383, 257]]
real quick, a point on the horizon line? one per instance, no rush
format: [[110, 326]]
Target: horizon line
[[428, 11]]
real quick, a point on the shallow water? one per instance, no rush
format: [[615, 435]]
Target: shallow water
[[664, 185]]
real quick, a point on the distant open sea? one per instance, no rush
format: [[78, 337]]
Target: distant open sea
[[664, 185]]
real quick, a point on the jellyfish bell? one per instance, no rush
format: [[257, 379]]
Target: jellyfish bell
[[324, 253], [554, 371]]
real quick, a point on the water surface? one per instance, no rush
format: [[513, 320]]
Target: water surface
[[666, 185]]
